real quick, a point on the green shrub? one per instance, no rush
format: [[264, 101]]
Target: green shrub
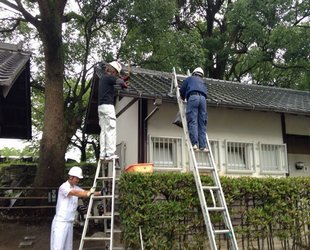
[[264, 211]]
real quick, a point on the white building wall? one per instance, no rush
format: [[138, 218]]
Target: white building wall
[[243, 126], [127, 130], [224, 124]]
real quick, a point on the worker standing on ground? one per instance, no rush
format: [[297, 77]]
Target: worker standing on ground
[[106, 110], [194, 90], [67, 202]]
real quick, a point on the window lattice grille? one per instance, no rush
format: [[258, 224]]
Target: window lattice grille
[[240, 156], [165, 152], [273, 157]]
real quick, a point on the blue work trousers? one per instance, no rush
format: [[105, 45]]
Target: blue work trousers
[[196, 115]]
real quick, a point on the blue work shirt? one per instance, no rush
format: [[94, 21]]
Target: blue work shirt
[[193, 84]]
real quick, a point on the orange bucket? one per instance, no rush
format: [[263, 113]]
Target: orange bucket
[[140, 167]]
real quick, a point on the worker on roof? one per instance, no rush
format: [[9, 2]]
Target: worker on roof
[[67, 202], [194, 90], [106, 110]]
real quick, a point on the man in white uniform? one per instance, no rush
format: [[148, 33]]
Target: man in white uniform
[[67, 202]]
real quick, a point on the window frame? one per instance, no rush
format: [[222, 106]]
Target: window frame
[[247, 157], [176, 148], [280, 158]]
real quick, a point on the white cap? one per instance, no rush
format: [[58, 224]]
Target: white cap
[[76, 171], [117, 66], [198, 71]]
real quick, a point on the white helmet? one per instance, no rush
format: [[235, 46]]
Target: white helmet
[[198, 71], [76, 171], [117, 66]]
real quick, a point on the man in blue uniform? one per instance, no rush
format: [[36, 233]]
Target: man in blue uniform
[[194, 90]]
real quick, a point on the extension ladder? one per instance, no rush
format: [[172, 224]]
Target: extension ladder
[[106, 180], [217, 204]]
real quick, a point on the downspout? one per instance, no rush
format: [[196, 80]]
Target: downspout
[[142, 130], [284, 138]]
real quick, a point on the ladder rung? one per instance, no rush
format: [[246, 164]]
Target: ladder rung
[[99, 217], [222, 231], [102, 197], [114, 231], [98, 238], [205, 168], [216, 209], [104, 178], [210, 187], [109, 213]]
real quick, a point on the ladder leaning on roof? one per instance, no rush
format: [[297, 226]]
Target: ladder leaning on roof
[[213, 193], [108, 179]]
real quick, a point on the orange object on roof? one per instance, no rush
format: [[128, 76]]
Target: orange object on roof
[[140, 167]]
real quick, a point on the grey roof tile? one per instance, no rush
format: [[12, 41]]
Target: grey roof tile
[[12, 63], [150, 84], [15, 102]]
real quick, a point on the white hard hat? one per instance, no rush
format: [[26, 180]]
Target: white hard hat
[[117, 66], [198, 71], [76, 171]]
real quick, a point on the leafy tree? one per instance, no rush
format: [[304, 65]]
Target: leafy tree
[[26, 151], [260, 42], [71, 45], [271, 39]]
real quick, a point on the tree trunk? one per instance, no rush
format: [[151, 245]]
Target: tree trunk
[[53, 145]]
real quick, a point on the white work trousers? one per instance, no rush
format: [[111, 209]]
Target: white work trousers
[[62, 235], [107, 123]]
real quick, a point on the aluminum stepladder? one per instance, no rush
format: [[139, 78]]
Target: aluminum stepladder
[[214, 192], [106, 179]]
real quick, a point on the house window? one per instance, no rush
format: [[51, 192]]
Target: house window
[[273, 158], [239, 156], [165, 152], [202, 160]]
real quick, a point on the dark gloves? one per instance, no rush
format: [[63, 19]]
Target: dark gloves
[[103, 191], [125, 78], [123, 82], [126, 83]]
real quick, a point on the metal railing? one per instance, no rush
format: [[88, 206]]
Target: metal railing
[[10, 198]]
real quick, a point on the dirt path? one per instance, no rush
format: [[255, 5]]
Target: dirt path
[[13, 233]]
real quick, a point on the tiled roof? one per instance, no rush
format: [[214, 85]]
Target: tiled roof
[[12, 63], [15, 103], [149, 84]]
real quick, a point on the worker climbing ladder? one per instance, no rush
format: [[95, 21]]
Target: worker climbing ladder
[[105, 176], [211, 197]]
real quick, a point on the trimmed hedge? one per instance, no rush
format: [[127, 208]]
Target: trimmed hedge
[[266, 212]]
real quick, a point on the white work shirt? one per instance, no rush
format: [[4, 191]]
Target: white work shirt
[[66, 204]]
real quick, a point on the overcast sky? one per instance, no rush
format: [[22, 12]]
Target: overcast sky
[[13, 143]]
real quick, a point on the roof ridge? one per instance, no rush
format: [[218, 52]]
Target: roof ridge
[[13, 47], [164, 73]]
